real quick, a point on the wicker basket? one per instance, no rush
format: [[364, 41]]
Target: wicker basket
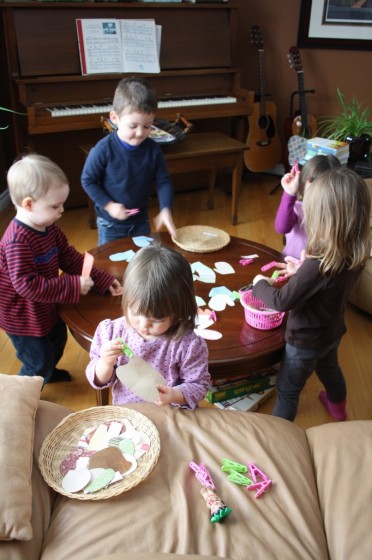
[[65, 437], [258, 315], [201, 239]]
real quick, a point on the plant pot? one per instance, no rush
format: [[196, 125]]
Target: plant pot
[[359, 148]]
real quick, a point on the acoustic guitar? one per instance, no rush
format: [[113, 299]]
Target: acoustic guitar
[[303, 124], [264, 147]]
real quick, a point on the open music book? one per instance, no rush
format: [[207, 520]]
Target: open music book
[[109, 46]]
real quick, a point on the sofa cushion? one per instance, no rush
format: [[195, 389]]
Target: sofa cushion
[[342, 456], [166, 513], [19, 401]]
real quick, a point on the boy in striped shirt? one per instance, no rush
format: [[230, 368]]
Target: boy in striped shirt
[[33, 251]]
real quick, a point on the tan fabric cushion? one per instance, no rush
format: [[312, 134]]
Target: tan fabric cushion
[[166, 513], [19, 397], [342, 455]]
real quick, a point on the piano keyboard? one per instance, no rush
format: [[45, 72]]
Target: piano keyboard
[[73, 110]]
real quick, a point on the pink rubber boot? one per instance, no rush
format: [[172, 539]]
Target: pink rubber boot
[[336, 410]]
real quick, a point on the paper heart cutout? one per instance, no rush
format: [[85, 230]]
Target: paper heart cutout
[[218, 302]]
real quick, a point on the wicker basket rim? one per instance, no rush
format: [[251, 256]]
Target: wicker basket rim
[[65, 436], [188, 238]]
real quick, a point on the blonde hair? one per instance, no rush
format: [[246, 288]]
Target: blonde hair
[[337, 211], [158, 283], [32, 176], [313, 168]]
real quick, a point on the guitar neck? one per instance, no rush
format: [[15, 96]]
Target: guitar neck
[[303, 107], [262, 85]]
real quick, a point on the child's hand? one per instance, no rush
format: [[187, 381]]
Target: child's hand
[[294, 264], [110, 351], [164, 218], [259, 277], [86, 283], [117, 210], [291, 181], [169, 395], [116, 289]]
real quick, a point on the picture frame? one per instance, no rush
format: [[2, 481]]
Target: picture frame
[[335, 24]]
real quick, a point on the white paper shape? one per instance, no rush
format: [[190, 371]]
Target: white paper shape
[[208, 334], [203, 273], [142, 240], [220, 290], [218, 302], [99, 439], [126, 256], [249, 256], [223, 268], [200, 301], [203, 323], [141, 378], [75, 480]]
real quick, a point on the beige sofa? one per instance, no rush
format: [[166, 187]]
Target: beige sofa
[[319, 505], [361, 295]]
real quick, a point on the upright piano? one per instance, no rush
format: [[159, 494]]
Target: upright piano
[[63, 108]]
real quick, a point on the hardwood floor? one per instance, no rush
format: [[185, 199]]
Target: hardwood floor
[[257, 208]]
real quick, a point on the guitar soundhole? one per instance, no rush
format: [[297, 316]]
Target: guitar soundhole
[[265, 122]]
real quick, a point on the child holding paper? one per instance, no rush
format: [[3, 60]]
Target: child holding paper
[[33, 251], [336, 210], [289, 219], [159, 309], [121, 169]]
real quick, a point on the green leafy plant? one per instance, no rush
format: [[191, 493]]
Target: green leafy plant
[[353, 120], [9, 111]]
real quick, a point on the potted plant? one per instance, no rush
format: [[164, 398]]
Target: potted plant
[[352, 124]]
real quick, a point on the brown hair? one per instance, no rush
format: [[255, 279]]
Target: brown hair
[[315, 167], [337, 211], [135, 95], [158, 283]]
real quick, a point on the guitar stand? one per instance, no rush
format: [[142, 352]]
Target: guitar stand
[[291, 112]]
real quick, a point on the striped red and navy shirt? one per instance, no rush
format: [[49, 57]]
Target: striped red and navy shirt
[[31, 285]]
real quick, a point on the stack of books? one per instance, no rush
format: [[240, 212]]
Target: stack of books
[[243, 393], [325, 146]]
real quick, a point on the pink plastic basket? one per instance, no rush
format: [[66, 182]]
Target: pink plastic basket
[[258, 315]]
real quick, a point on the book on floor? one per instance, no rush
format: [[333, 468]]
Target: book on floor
[[249, 403]]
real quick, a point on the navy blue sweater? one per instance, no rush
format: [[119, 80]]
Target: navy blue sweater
[[114, 173]]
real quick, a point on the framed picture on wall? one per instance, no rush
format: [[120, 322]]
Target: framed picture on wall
[[335, 24]]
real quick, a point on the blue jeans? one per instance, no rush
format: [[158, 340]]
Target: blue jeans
[[40, 354], [296, 367], [109, 231]]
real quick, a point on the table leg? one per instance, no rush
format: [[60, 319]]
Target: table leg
[[102, 396], [236, 183]]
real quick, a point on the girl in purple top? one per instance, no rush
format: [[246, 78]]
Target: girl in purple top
[[159, 309], [289, 218]]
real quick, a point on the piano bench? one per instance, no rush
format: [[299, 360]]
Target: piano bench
[[201, 152]]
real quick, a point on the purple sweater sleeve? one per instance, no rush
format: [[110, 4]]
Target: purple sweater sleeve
[[285, 217]]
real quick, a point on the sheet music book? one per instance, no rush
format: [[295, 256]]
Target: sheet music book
[[109, 46]]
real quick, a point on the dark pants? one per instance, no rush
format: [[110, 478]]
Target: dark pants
[[109, 231], [296, 367], [40, 354]]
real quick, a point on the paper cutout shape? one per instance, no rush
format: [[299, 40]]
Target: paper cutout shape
[[208, 334], [249, 256], [142, 240], [125, 256], [75, 480], [218, 302], [203, 273], [200, 301], [223, 268], [109, 458], [220, 290], [100, 482], [297, 149], [141, 378], [87, 264], [99, 439]]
